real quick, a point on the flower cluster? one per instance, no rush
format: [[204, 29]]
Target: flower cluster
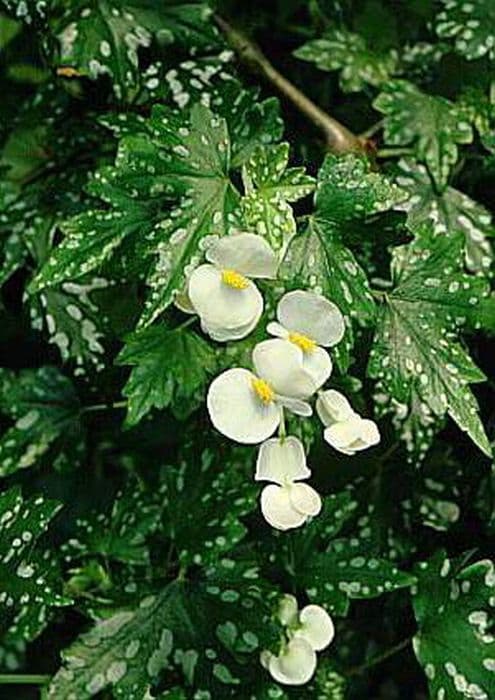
[[306, 631], [288, 370]]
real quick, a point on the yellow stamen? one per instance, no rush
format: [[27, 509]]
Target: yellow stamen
[[306, 344], [68, 72], [263, 390], [235, 280]]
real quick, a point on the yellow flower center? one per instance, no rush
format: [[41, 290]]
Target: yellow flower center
[[306, 344], [263, 390], [235, 280]]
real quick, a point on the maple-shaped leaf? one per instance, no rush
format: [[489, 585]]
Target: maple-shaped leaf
[[479, 109], [209, 630], [433, 125], [450, 212], [45, 409], [104, 37], [168, 157], [121, 534], [471, 24], [347, 193], [204, 503], [29, 574], [347, 52], [422, 367], [270, 186], [454, 643], [171, 368]]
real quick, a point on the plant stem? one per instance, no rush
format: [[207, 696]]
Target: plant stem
[[393, 152], [337, 137], [23, 679], [379, 658]]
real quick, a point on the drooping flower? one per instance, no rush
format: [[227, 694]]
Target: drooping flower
[[286, 503], [246, 406], [345, 430], [307, 632], [221, 291], [309, 320]]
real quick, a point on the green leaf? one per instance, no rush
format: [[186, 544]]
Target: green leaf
[[8, 30], [105, 36], [432, 125], [172, 368], [204, 504], [454, 642], [342, 50], [270, 185], [121, 534], [450, 213], [201, 629], [45, 409], [423, 370], [29, 574], [470, 24], [347, 193], [169, 157]]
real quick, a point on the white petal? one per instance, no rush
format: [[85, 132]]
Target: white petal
[[280, 363], [278, 510], [311, 314], [305, 499], [220, 305], [333, 407], [245, 253], [265, 658], [296, 665], [281, 461], [352, 435], [221, 334], [318, 365], [274, 328], [237, 412], [288, 609], [316, 628], [296, 406]]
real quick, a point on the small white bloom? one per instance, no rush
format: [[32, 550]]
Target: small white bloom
[[345, 430], [310, 321], [285, 503], [295, 665], [221, 291], [307, 632], [247, 406]]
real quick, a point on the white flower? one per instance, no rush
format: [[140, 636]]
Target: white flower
[[285, 503], [309, 320], [308, 631], [221, 291], [345, 430], [247, 407]]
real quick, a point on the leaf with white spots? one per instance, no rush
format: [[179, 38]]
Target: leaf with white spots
[[121, 534], [29, 576], [170, 368], [348, 53], [455, 643], [432, 125], [451, 212], [270, 185], [347, 194], [105, 37], [168, 158], [210, 631], [204, 500], [45, 410], [423, 369], [471, 24]]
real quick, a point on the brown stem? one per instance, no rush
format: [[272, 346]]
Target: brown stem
[[337, 137]]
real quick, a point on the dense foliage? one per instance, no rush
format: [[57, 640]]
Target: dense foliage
[[137, 139]]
